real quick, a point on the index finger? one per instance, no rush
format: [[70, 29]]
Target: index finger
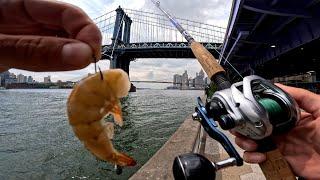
[[71, 18]]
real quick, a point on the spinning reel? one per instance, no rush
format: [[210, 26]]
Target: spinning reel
[[254, 108]]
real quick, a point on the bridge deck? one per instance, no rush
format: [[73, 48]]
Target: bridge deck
[[157, 50]]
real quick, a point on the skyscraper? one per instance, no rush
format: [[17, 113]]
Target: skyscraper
[[185, 80], [47, 79], [199, 82], [191, 82], [30, 79], [177, 80], [21, 78], [5, 75]]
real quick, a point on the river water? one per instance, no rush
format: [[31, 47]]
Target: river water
[[36, 141]]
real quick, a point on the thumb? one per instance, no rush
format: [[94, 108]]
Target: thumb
[[43, 53]]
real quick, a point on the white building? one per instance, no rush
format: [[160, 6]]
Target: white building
[[185, 81], [177, 80], [191, 82], [199, 80], [47, 79], [21, 78], [30, 79]]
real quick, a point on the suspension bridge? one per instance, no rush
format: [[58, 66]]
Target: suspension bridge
[[130, 34]]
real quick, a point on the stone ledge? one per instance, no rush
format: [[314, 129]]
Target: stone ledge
[[160, 165]]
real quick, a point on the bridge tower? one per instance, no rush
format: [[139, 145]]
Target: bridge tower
[[121, 35]]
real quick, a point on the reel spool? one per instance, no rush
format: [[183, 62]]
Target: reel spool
[[254, 108]]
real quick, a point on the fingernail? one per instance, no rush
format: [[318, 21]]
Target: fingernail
[[76, 54]]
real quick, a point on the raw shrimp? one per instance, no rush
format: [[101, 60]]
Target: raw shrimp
[[91, 100]]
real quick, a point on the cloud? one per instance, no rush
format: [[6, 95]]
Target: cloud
[[215, 12]]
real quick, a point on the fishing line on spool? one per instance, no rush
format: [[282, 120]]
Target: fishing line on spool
[[273, 107]]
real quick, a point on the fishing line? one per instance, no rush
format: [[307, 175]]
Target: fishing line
[[235, 69], [101, 75], [113, 48], [95, 64], [114, 45], [273, 108]]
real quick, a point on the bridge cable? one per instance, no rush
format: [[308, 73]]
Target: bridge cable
[[113, 48], [117, 35]]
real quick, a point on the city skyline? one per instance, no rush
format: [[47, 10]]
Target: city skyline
[[185, 81], [21, 78]]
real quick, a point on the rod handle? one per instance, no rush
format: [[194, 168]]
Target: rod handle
[[206, 59], [276, 167]]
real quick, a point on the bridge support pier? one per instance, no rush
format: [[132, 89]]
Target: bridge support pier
[[124, 64]]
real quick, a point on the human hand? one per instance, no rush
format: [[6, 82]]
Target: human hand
[[301, 146], [46, 35]]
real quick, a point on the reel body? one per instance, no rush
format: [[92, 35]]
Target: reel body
[[254, 108]]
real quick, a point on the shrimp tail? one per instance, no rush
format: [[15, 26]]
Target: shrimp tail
[[117, 114], [123, 159]]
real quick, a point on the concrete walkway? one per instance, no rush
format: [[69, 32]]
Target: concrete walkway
[[182, 141]]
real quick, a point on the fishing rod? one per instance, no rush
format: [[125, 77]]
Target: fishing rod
[[253, 107]]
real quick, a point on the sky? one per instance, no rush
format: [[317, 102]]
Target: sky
[[215, 12]]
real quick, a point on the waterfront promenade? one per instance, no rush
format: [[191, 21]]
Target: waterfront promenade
[[182, 141]]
